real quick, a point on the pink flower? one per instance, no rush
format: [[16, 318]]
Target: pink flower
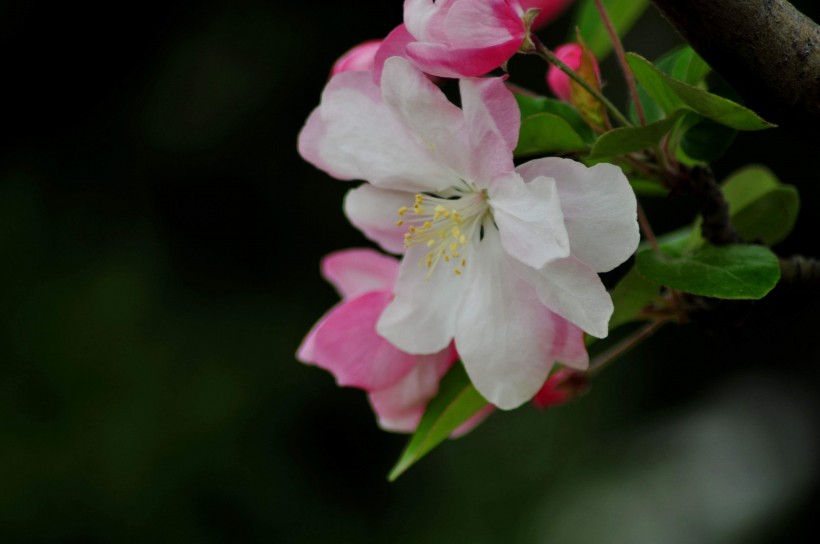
[[359, 59], [456, 38], [550, 10], [345, 343], [557, 80], [563, 386], [503, 260]]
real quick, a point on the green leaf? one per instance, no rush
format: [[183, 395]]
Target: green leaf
[[647, 187], [547, 133], [531, 105], [707, 141], [632, 294], [760, 206], [623, 13], [728, 272], [685, 64], [672, 94], [624, 140], [457, 401]]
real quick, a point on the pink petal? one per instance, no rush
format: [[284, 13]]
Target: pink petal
[[481, 23], [346, 344], [354, 272], [550, 10], [374, 211], [493, 122], [400, 407], [530, 220], [600, 210], [394, 45], [358, 59], [444, 60], [425, 18], [563, 386]]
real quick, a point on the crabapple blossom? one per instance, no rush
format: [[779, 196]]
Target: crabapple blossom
[[501, 260], [345, 343], [559, 83], [359, 58], [550, 10], [456, 38]]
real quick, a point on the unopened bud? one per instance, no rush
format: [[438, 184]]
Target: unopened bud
[[358, 59], [563, 386], [570, 54]]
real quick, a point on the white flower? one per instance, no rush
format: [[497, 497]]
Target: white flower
[[504, 260]]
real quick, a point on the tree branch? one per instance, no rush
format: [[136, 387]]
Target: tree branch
[[766, 49]]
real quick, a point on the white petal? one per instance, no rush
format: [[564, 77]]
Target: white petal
[[599, 209], [503, 333], [493, 121], [574, 291], [374, 211], [362, 139], [422, 107], [421, 319], [529, 219]]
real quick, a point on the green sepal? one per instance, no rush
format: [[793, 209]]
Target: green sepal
[[457, 401]]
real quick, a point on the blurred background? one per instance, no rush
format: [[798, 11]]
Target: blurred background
[[160, 240]]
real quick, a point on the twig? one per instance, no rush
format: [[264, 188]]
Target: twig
[[603, 359], [543, 51], [717, 227], [800, 271], [621, 54]]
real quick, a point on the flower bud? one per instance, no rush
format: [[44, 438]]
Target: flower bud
[[358, 59], [550, 10], [563, 386], [559, 82]]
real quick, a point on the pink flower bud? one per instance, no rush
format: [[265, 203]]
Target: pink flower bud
[[358, 59], [557, 80], [563, 386], [550, 10]]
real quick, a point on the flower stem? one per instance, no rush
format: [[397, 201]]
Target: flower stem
[[619, 52], [603, 359], [544, 52], [648, 232]]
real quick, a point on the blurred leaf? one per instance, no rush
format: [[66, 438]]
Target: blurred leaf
[[547, 133], [672, 94], [685, 64], [623, 13], [531, 105], [647, 187], [632, 294], [707, 140], [456, 402], [728, 272], [624, 140], [590, 108], [760, 207]]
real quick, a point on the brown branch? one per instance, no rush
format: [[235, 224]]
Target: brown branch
[[800, 271], [716, 227], [766, 49]]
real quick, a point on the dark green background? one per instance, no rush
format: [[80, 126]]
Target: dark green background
[[160, 241]]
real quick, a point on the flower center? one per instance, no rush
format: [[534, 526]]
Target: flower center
[[446, 223]]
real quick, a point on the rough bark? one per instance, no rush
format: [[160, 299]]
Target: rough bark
[[766, 49]]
